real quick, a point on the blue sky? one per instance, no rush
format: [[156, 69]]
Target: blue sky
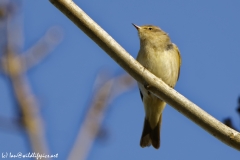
[[207, 34]]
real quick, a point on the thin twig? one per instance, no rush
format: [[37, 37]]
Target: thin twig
[[138, 72], [43, 47], [27, 103], [14, 66], [92, 123]]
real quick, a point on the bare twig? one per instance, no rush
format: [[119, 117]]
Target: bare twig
[[29, 109], [156, 86], [14, 65], [43, 47], [92, 123]]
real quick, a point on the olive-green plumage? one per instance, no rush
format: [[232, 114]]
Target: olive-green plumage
[[162, 58]]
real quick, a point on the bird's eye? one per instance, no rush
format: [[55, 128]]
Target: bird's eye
[[150, 28]]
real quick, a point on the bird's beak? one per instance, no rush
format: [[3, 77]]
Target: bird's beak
[[137, 27]]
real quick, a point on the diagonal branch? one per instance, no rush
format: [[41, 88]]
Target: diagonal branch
[[31, 119], [92, 123], [42, 48], [156, 85], [13, 65]]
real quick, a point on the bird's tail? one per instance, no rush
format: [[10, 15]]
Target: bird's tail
[[151, 135]]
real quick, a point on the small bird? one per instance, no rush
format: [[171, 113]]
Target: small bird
[[162, 58]]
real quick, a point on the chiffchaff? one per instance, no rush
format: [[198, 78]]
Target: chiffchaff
[[162, 58]]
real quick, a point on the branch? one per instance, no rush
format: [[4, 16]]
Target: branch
[[42, 48], [138, 72], [31, 119], [92, 123], [13, 65]]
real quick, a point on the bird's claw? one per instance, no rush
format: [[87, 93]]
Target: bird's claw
[[147, 86]]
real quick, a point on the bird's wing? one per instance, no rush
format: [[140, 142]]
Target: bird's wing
[[141, 94], [179, 58]]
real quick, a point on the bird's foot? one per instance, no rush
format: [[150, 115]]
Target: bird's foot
[[147, 86]]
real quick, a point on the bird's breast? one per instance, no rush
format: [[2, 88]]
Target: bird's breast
[[163, 64]]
